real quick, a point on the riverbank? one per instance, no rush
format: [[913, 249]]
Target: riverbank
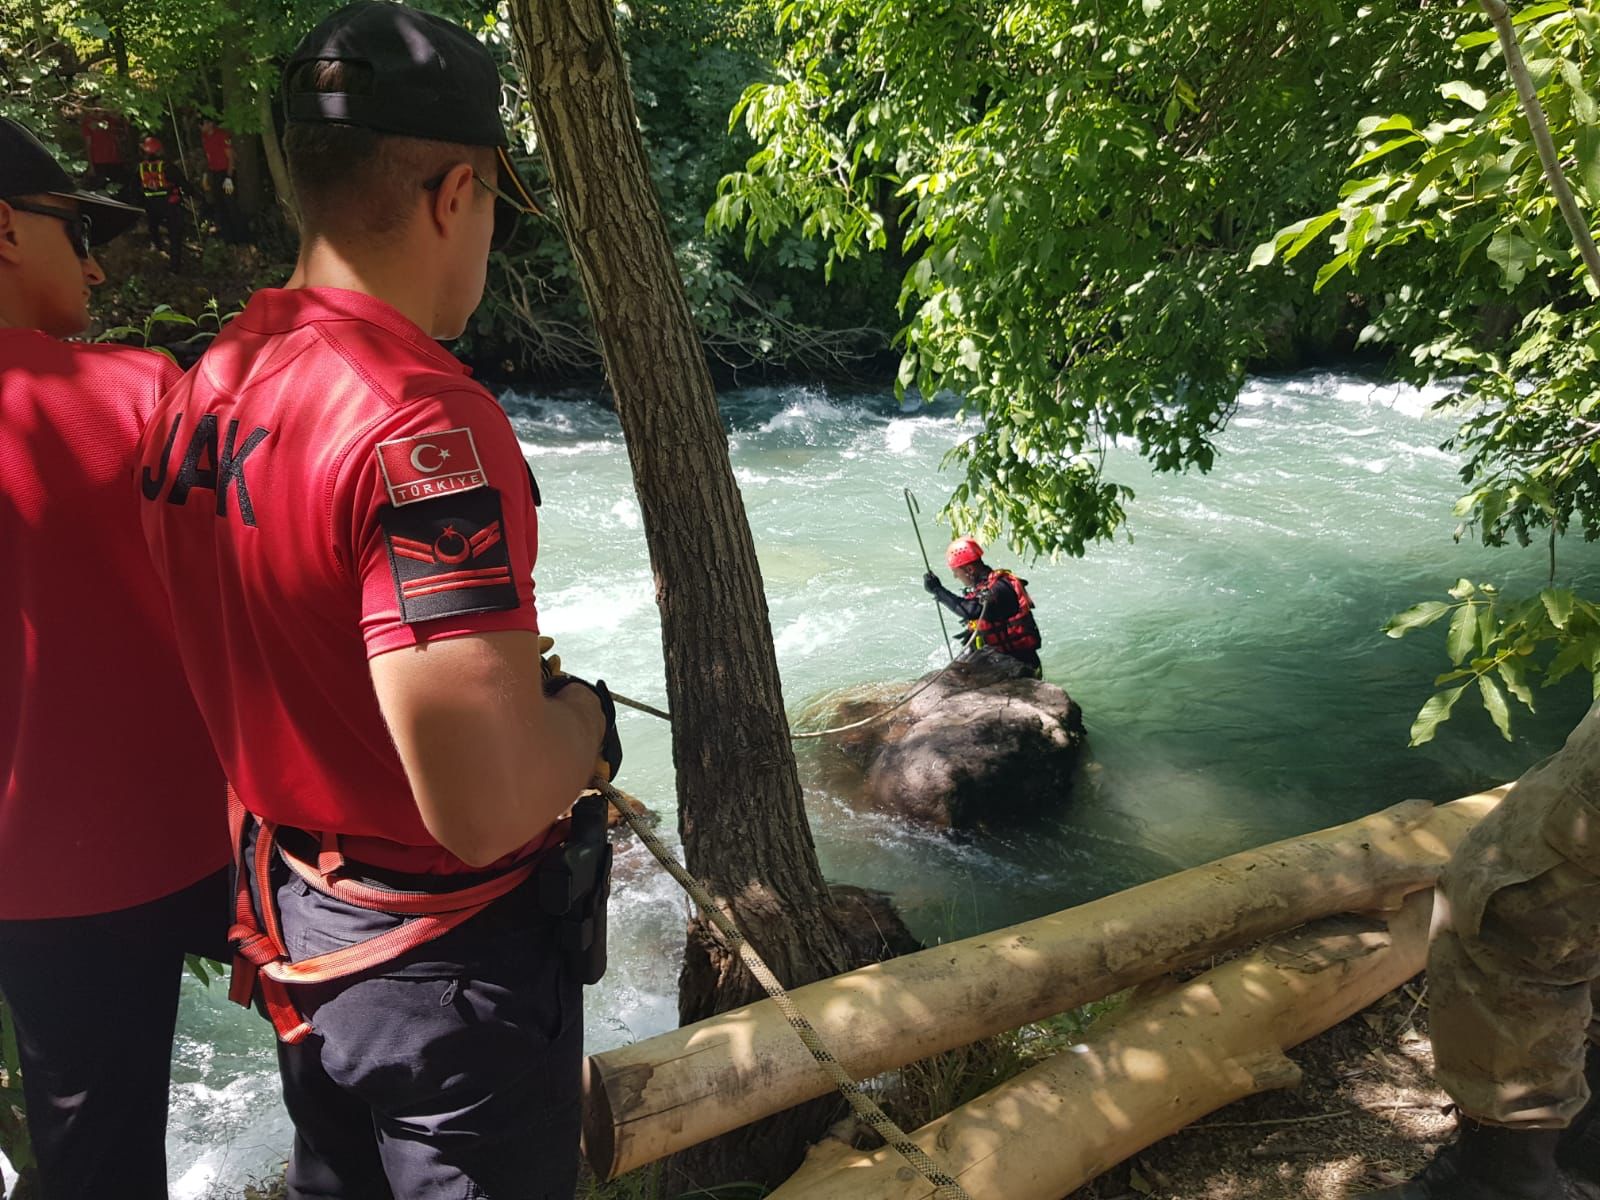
[[1365, 1115]]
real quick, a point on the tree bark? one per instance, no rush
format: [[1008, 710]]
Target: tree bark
[[1152, 1069], [246, 146], [1539, 128], [740, 807], [275, 162]]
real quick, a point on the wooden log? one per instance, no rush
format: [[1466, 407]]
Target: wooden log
[[1157, 1066], [655, 1097]]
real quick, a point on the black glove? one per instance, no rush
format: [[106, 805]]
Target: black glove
[[610, 760], [931, 584]]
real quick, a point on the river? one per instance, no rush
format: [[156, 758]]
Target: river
[[1228, 658]]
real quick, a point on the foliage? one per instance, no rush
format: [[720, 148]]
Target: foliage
[[1500, 647], [14, 1141], [688, 63], [1450, 230], [1076, 189]]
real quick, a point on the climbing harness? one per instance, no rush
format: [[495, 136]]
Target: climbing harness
[[945, 1185], [573, 878]]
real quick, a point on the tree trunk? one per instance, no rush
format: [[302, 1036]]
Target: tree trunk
[[275, 163], [740, 807], [36, 8], [246, 146]]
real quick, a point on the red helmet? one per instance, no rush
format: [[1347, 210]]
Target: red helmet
[[152, 145], [963, 552]]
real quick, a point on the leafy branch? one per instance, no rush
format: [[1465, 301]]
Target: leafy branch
[[1502, 647]]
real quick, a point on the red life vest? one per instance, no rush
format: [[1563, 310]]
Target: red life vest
[[1017, 632], [153, 177]]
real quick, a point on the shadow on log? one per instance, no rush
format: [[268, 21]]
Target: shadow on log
[[647, 1100], [1153, 1068], [980, 743]]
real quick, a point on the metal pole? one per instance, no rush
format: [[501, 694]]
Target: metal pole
[[911, 507]]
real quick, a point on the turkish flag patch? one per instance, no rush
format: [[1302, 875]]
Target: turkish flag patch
[[449, 556], [429, 465]]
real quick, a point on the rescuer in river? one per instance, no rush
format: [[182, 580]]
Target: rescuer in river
[[994, 604]]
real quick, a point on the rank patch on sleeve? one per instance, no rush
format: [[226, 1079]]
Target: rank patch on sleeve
[[429, 465], [449, 556]]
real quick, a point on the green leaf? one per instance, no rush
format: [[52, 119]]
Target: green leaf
[[1463, 589], [1587, 148], [1331, 268], [1511, 670], [1371, 125], [1558, 603], [1463, 635], [1433, 714], [1473, 98], [1569, 658], [1388, 147], [1495, 701], [1547, 9], [1263, 254], [1417, 616], [1309, 234], [1511, 253], [1583, 106]]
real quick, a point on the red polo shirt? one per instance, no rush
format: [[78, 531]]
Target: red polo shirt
[[110, 794], [217, 144], [326, 485]]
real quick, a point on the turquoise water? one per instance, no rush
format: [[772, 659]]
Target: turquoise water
[[1234, 683]]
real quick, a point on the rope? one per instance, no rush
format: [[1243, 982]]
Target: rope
[[641, 706], [796, 737], [945, 1185]]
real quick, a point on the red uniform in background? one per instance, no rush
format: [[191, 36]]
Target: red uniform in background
[[110, 794], [221, 204], [112, 815], [218, 145], [106, 143]]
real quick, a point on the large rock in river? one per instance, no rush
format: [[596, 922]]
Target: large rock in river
[[979, 743]]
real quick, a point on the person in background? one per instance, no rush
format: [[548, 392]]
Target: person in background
[[1513, 965], [221, 202], [113, 839], [346, 528], [994, 604], [106, 139], [162, 187]]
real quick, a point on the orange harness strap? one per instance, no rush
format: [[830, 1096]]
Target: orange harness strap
[[261, 961]]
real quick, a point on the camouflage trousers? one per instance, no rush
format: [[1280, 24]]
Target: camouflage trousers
[[1515, 956]]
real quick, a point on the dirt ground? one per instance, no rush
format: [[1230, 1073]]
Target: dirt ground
[[1365, 1115]]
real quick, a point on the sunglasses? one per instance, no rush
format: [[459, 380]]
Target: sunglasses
[[506, 210], [79, 226]]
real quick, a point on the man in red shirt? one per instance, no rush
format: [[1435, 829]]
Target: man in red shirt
[[217, 143], [105, 142], [345, 524], [113, 844]]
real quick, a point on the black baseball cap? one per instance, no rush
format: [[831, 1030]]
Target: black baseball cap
[[27, 168], [425, 77]]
